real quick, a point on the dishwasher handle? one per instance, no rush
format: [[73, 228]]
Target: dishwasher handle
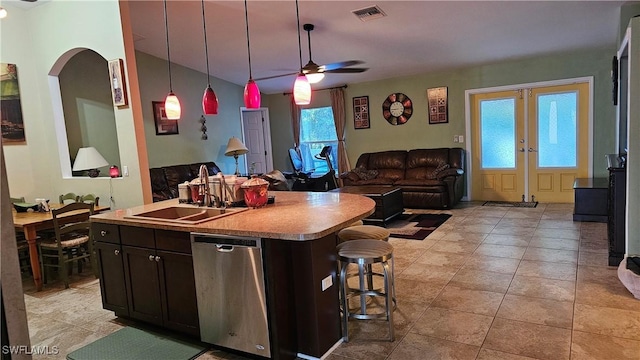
[[224, 248]]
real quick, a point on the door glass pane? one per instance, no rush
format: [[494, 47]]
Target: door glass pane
[[557, 130], [498, 133]]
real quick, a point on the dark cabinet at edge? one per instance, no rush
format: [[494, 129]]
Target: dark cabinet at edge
[[147, 274]]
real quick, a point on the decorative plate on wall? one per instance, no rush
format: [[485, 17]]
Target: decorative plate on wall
[[397, 108]]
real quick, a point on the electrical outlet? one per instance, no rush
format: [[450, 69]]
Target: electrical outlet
[[460, 138], [125, 170], [327, 282], [455, 138]]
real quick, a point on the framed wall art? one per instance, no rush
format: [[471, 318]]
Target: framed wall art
[[11, 108], [118, 84], [361, 112], [164, 126], [438, 105]]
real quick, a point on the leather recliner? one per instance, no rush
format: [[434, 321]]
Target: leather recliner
[[165, 179]]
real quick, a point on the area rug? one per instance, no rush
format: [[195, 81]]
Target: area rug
[[530, 204], [416, 226], [131, 343]]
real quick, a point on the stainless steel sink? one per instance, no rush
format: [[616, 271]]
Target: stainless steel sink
[[185, 215]]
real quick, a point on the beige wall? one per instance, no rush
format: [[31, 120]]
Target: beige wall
[[39, 41]]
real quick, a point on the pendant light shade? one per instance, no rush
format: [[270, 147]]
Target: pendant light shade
[[251, 95], [209, 101], [209, 98], [302, 90], [172, 107], [171, 103], [251, 91], [301, 87]]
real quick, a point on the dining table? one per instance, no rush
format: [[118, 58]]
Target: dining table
[[30, 222]]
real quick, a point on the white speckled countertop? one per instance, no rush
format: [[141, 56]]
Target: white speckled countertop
[[293, 216]]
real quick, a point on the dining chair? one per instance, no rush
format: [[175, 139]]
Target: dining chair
[[72, 241], [17, 200], [90, 198], [69, 196]]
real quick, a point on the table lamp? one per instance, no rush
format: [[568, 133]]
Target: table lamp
[[89, 158], [235, 148]]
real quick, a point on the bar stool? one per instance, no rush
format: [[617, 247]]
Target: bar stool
[[364, 253]]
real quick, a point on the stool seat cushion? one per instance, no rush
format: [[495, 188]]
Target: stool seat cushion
[[364, 232], [365, 251]]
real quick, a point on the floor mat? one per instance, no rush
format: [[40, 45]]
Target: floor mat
[[131, 343], [529, 204], [415, 226]]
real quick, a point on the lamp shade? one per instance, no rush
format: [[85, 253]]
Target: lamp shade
[[314, 77], [172, 107], [209, 102], [251, 95], [302, 90], [235, 147], [89, 158]]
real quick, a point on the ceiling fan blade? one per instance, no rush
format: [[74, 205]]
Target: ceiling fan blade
[[275, 76], [347, 70], [339, 65]]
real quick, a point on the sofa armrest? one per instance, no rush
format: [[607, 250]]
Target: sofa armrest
[[449, 172]]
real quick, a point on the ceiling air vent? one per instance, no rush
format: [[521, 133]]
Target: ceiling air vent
[[369, 13]]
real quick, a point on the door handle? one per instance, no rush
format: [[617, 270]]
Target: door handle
[[116, 252], [521, 149], [151, 257], [157, 259], [532, 150]]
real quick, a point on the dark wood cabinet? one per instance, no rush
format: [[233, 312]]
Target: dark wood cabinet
[[111, 273], [616, 205], [147, 275]]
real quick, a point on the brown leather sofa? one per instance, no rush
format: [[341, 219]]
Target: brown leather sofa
[[165, 180], [429, 178]]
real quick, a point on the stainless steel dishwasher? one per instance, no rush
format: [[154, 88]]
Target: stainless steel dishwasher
[[230, 291]]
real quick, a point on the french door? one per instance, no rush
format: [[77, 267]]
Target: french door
[[530, 144]]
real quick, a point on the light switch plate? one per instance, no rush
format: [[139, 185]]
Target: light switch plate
[[327, 282], [460, 138]]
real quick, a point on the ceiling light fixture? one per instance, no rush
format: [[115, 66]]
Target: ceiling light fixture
[[312, 70], [301, 87], [209, 99], [171, 103], [251, 91], [3, 13]]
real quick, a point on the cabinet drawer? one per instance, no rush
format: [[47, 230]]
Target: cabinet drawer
[[137, 236], [105, 233], [177, 241]]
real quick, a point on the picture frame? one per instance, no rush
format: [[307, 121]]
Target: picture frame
[[438, 105], [10, 106], [118, 83], [361, 113], [164, 126]]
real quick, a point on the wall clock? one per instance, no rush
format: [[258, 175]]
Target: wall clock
[[397, 108]]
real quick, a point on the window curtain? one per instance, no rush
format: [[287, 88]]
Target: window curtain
[[295, 122], [339, 117]]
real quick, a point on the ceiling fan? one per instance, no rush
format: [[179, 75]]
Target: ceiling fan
[[316, 72]]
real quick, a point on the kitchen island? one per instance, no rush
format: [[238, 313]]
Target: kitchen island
[[146, 265]]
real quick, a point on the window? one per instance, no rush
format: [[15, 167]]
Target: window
[[317, 130]]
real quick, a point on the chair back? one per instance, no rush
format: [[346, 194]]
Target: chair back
[[296, 159], [17, 200], [69, 196], [90, 198], [68, 225]]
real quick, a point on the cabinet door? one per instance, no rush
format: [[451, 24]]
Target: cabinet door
[[143, 287], [111, 270], [178, 292]]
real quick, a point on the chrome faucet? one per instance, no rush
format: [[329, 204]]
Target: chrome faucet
[[203, 188]]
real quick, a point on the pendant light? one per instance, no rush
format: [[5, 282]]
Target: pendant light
[[251, 91], [171, 103], [301, 87], [209, 99]]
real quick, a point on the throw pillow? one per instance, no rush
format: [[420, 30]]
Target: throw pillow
[[365, 174], [439, 169]]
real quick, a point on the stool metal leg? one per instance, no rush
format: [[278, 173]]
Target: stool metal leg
[[345, 301], [363, 297], [389, 300]]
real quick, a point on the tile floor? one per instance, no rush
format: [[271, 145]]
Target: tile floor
[[490, 283]]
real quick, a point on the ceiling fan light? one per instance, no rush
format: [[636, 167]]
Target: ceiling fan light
[[251, 95], [172, 106], [209, 101], [302, 90], [315, 77]]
